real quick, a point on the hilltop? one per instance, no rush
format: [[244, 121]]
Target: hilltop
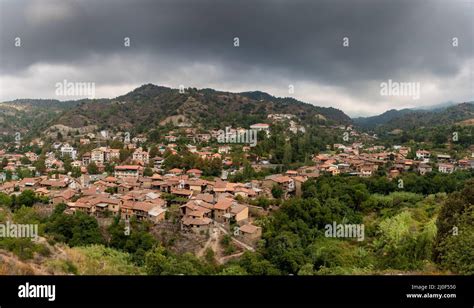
[[407, 119], [149, 106]]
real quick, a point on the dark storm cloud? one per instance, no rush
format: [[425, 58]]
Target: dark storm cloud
[[297, 40]]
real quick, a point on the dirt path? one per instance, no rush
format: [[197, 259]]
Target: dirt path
[[241, 244], [227, 258], [212, 241]]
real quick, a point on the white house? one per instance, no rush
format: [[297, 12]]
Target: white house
[[67, 150], [423, 154], [261, 127]]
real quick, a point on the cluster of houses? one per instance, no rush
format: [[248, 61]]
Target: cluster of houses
[[203, 203], [364, 162]]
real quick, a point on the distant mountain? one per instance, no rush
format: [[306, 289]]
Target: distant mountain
[[149, 106], [436, 107], [26, 115], [387, 116], [40, 103], [411, 118], [327, 112]]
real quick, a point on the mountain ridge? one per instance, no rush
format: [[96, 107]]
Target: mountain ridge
[[408, 118], [150, 105]]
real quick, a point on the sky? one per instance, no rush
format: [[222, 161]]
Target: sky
[[348, 54]]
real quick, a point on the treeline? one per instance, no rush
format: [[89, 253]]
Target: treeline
[[282, 148], [404, 230], [459, 137], [187, 160]]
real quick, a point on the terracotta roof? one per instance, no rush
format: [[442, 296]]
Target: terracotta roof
[[200, 203], [29, 181], [196, 182], [176, 170], [42, 190], [54, 183], [127, 167], [205, 197], [158, 202], [223, 204], [248, 228], [144, 206], [194, 171], [156, 176], [299, 179], [66, 194], [260, 125], [183, 192], [281, 179], [104, 199], [238, 208]]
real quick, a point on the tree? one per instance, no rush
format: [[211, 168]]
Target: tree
[[8, 175], [159, 261], [287, 154], [76, 172], [92, 168], [26, 198], [67, 163], [4, 162], [137, 243], [233, 270], [40, 165], [116, 144], [25, 161], [306, 270], [5, 200], [453, 245], [147, 171], [402, 244], [255, 264], [277, 191], [125, 154], [153, 151], [456, 251], [78, 229]]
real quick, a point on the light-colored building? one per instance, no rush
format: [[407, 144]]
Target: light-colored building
[[261, 127], [423, 154], [98, 155], [139, 155], [67, 150], [127, 171]]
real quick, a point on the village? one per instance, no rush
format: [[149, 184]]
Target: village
[[142, 189]]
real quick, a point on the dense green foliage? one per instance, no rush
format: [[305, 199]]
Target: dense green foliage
[[400, 227], [76, 230]]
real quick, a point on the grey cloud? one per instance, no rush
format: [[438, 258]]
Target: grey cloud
[[289, 40]]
